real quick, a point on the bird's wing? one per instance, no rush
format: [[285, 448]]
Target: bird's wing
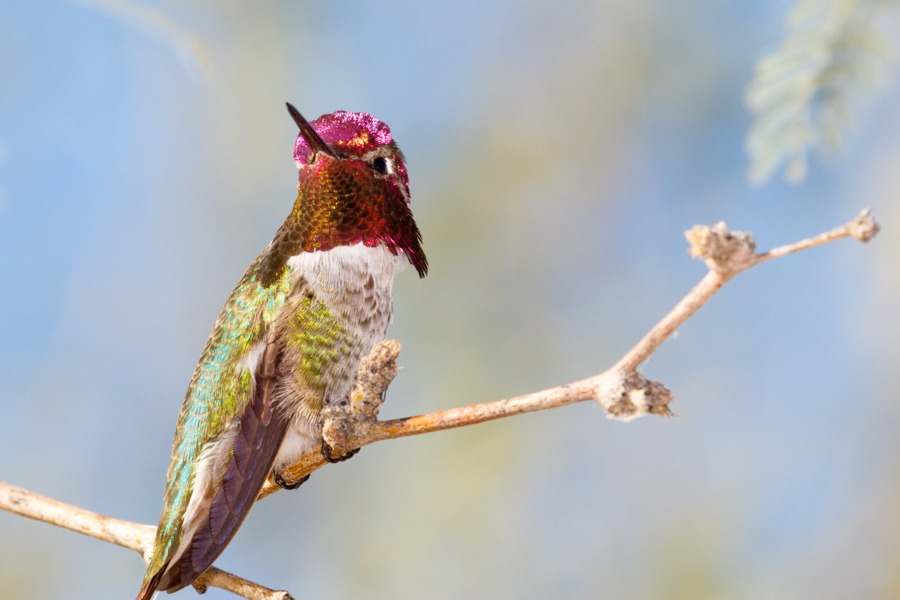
[[259, 432], [223, 411]]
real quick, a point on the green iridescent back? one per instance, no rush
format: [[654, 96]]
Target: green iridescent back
[[219, 389]]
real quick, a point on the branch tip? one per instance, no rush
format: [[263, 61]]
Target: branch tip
[[723, 251], [863, 227]]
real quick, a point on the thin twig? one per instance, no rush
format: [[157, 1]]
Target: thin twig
[[133, 536], [623, 392], [863, 227], [40, 508], [214, 577]]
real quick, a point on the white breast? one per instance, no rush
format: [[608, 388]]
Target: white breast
[[357, 282], [343, 266]]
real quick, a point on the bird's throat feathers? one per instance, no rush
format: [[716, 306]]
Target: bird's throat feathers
[[359, 195]]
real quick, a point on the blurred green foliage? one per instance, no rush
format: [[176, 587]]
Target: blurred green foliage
[[804, 93]]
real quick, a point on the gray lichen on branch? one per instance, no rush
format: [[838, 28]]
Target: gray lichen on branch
[[345, 425], [863, 227], [723, 251], [342, 424], [627, 396]]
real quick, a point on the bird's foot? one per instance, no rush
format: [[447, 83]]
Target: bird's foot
[[329, 456], [279, 479]]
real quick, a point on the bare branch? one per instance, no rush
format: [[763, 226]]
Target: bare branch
[[621, 390], [214, 577], [133, 536], [33, 506], [863, 227]]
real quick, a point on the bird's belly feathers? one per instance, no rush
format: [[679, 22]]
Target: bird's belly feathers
[[340, 308]]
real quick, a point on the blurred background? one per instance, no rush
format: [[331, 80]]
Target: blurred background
[[556, 157]]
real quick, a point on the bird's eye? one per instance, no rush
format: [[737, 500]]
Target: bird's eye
[[381, 165]]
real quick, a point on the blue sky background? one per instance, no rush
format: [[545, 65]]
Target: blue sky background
[[556, 157]]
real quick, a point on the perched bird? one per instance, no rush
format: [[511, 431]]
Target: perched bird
[[289, 339]]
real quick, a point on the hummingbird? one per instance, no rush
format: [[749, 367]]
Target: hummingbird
[[289, 340]]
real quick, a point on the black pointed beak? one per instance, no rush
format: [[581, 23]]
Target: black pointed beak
[[316, 143]]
